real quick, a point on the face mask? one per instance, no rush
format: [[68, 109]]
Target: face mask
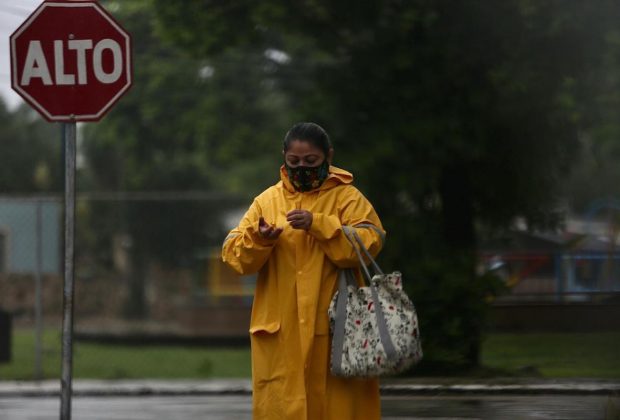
[[306, 178]]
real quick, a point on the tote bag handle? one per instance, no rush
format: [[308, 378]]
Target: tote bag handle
[[358, 245]]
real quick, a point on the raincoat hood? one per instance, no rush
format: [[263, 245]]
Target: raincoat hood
[[336, 177]]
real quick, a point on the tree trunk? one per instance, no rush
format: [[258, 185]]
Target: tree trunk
[[460, 238], [457, 209]]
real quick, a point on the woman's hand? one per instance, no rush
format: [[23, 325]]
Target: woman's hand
[[268, 231], [299, 219]]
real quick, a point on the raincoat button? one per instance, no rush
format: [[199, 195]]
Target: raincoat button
[[303, 321], [299, 272]]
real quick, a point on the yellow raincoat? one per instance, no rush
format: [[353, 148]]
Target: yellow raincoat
[[297, 278]]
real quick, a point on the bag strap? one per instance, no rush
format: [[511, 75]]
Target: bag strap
[[345, 278], [373, 227], [367, 253], [358, 245], [384, 334]]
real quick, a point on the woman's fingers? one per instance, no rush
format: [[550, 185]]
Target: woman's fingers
[[273, 233], [262, 226], [297, 215], [299, 219], [268, 231], [295, 212], [294, 215]]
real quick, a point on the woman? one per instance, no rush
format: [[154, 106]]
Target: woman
[[292, 236]]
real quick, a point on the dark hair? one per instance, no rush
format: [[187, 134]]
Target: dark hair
[[310, 132]]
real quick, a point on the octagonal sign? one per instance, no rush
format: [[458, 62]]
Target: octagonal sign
[[70, 60]]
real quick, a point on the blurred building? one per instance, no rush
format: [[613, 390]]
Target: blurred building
[[19, 235], [566, 267], [568, 280], [30, 246]]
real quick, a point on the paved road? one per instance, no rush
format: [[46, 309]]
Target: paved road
[[233, 407]]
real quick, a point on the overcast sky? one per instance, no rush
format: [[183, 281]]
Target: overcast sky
[[12, 14]]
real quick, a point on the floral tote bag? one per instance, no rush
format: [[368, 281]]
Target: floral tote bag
[[375, 327]]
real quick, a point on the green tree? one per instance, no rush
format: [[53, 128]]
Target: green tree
[[454, 115], [31, 159], [187, 124], [597, 172]]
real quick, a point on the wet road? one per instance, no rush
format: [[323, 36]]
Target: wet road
[[239, 407]]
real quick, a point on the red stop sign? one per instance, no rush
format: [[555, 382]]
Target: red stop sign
[[71, 60]]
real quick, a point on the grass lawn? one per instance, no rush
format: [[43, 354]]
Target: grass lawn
[[560, 355], [96, 361], [594, 355]]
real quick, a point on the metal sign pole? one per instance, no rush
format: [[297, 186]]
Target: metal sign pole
[[38, 305], [67, 320]]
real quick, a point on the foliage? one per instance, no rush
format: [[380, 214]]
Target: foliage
[[597, 172], [31, 158], [473, 111], [188, 124], [453, 116]]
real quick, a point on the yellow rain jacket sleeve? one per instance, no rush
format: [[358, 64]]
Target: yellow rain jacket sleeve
[[355, 212], [297, 278], [250, 249]]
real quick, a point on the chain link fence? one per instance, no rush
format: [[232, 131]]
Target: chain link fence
[[145, 262]]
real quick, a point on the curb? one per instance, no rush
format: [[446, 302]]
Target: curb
[[116, 388], [85, 388], [519, 389]]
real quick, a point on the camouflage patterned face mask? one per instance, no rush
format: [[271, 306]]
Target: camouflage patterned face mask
[[306, 178]]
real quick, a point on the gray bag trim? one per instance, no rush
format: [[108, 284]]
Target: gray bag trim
[[373, 227]]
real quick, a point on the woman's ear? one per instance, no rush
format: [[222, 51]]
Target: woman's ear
[[330, 155]]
